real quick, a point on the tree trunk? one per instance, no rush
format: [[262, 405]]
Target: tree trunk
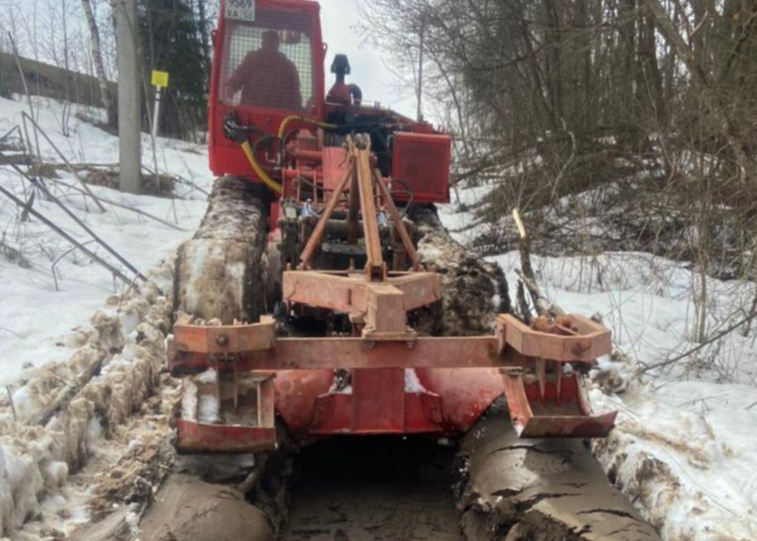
[[97, 58], [204, 33]]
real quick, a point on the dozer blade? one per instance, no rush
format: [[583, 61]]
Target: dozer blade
[[203, 438], [597, 426]]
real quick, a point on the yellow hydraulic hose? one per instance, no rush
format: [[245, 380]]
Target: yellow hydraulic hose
[[247, 149], [306, 120], [272, 184]]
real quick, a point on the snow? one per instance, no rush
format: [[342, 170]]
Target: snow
[[188, 399], [412, 383], [48, 334], [683, 449], [35, 460], [35, 313], [208, 409], [207, 377]]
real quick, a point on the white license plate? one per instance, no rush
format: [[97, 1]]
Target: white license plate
[[240, 10]]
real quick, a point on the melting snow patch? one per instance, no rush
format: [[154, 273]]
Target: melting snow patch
[[35, 461]]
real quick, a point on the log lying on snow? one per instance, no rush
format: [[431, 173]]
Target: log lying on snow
[[539, 490]]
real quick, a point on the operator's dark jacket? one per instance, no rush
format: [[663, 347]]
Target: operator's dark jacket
[[267, 78]]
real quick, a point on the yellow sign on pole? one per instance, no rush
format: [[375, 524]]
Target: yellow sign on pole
[[160, 78]]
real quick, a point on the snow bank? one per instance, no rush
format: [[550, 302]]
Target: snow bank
[[55, 289], [683, 449], [685, 455], [35, 461]]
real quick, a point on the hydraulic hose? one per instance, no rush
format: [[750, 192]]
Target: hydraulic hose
[[267, 180], [250, 154], [304, 119]]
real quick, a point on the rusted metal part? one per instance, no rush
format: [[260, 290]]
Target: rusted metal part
[[547, 417], [365, 185], [205, 438], [374, 267], [378, 404], [353, 212], [331, 353], [349, 294], [591, 340], [224, 339], [545, 398], [399, 224], [243, 407]]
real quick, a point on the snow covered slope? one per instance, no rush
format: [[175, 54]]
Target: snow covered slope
[[56, 289]]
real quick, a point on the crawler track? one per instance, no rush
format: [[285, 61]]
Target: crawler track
[[539, 490]]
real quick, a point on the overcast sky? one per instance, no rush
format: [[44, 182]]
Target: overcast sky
[[340, 20]]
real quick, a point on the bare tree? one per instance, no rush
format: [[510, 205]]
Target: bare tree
[[97, 59]]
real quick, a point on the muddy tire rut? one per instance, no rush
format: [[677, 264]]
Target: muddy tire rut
[[377, 489]]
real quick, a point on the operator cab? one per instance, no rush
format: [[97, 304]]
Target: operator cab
[[269, 62], [272, 122], [267, 65]]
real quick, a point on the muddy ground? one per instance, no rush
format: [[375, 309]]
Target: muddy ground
[[374, 489]]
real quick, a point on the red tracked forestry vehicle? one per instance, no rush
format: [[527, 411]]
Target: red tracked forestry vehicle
[[304, 283]]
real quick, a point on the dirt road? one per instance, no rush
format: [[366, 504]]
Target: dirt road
[[374, 489]]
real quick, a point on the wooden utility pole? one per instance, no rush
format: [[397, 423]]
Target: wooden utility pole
[[129, 106]]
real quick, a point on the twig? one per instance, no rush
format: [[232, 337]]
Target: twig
[[80, 223], [65, 160], [69, 238], [122, 206], [525, 311], [10, 132], [21, 72], [54, 266], [13, 406], [246, 486], [12, 332], [543, 306], [179, 179], [69, 391], [701, 346], [26, 91]]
